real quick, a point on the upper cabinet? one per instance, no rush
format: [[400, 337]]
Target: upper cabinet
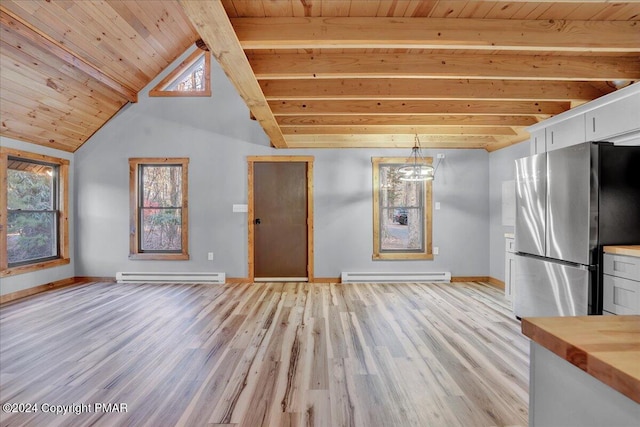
[[565, 133], [614, 117]]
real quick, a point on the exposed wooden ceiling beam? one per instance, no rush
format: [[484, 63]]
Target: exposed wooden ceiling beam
[[386, 141], [439, 65], [47, 44], [407, 107], [412, 120], [412, 130], [437, 33], [516, 90], [212, 23]]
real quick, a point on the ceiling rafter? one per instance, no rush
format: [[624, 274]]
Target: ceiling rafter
[[408, 107], [433, 89], [442, 65], [437, 33], [410, 120]]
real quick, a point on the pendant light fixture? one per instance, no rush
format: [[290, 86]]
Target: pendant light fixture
[[416, 167]]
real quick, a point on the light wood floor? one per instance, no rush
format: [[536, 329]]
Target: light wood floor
[[267, 355]]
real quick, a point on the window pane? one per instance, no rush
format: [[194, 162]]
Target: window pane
[[401, 229], [394, 192], [162, 186], [31, 236], [161, 230], [191, 79], [30, 186]]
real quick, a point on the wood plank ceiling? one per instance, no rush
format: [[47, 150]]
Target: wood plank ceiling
[[66, 67], [374, 73], [321, 73]]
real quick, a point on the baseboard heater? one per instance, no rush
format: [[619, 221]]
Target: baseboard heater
[[134, 277], [395, 277]]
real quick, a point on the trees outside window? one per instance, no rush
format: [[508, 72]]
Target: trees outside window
[[159, 228], [33, 212], [402, 213]]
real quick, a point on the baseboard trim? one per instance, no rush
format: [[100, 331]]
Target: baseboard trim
[[325, 280], [469, 279], [13, 296], [499, 284], [81, 280]]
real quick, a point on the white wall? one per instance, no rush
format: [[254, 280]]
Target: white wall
[[28, 280], [217, 135], [502, 168]]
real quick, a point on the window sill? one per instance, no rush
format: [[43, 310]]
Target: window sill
[[397, 256], [12, 271], [161, 257]]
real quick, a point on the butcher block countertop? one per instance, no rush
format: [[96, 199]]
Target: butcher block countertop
[[633, 250], [606, 347]]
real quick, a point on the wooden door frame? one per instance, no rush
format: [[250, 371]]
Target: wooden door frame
[[251, 160]]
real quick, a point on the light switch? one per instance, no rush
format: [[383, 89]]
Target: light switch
[[437, 206], [436, 250]]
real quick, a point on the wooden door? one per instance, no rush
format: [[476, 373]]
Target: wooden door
[[280, 221]]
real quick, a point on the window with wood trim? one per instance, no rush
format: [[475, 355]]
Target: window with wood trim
[[34, 204], [159, 208], [401, 212], [191, 78]]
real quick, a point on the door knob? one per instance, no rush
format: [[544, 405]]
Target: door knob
[[256, 221]]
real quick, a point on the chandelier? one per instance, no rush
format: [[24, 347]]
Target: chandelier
[[416, 167]]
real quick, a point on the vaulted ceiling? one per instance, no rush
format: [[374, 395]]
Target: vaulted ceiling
[[321, 73]]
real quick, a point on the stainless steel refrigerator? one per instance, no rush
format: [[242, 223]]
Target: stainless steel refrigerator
[[570, 203]]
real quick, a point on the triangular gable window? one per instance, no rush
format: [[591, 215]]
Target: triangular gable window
[[190, 78]]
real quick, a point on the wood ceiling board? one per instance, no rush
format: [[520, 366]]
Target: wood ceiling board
[[470, 66], [410, 107], [47, 137], [387, 141], [145, 20], [98, 53], [211, 21], [73, 137], [61, 97], [21, 95], [34, 64], [15, 29], [95, 32], [414, 120], [458, 89], [434, 33], [412, 130], [31, 116]]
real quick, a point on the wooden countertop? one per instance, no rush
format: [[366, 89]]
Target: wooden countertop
[[606, 347], [632, 250]]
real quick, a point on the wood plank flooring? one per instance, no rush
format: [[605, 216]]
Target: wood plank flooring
[[268, 354]]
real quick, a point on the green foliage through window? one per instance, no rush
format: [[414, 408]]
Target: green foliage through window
[[32, 211], [161, 208]]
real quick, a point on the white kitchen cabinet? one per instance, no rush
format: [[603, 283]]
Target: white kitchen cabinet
[[509, 268], [613, 117], [538, 142], [565, 133], [620, 117], [621, 284]]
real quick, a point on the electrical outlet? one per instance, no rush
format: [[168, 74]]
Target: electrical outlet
[[210, 256], [441, 156], [436, 250]]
